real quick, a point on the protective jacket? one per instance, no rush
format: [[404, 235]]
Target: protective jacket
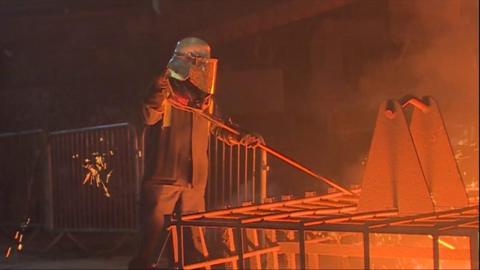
[[176, 141]]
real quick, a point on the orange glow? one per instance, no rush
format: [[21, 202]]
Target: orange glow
[[9, 251], [443, 243]]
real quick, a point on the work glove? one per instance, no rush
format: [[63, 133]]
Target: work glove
[[251, 140]]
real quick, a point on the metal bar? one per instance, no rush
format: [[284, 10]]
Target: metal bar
[[456, 223], [245, 179], [254, 197], [238, 175], [370, 214], [181, 247], [210, 177], [230, 174], [306, 170], [240, 248], [215, 182], [381, 223], [175, 242], [263, 175], [339, 227], [20, 133], [284, 215], [246, 255], [255, 207], [138, 174], [436, 253], [223, 174], [366, 250], [48, 186], [268, 149], [88, 128], [301, 240], [474, 250]]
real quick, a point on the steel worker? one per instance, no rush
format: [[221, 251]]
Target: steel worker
[[176, 144]]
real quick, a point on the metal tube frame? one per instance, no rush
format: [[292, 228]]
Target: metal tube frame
[[343, 218]]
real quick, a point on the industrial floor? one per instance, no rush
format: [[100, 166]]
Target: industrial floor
[[34, 262], [92, 251]]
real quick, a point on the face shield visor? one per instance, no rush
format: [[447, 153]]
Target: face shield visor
[[202, 72]]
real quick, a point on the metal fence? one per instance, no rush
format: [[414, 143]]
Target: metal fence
[[89, 178], [93, 183]]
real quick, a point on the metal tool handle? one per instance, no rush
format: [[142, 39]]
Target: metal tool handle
[[220, 123]]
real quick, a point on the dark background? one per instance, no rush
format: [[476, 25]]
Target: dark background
[[308, 75]]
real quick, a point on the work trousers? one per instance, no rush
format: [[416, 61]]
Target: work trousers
[[159, 201]]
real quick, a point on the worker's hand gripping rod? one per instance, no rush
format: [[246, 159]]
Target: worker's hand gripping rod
[[269, 150]]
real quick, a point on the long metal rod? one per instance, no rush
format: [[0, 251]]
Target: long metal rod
[[269, 150]]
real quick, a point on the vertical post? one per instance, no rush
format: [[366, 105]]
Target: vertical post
[[239, 240], [263, 175], [230, 174], [223, 178], [180, 254], [245, 179], [436, 253], [238, 175], [215, 183], [138, 147], [301, 242], [366, 250], [474, 250], [210, 174], [48, 186], [175, 244], [254, 166]]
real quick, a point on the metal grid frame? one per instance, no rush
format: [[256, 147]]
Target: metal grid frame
[[334, 212]]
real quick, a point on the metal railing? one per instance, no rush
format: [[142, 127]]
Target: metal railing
[[237, 175], [73, 200], [93, 182]]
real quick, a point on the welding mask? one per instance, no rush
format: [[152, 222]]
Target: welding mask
[[191, 61]]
